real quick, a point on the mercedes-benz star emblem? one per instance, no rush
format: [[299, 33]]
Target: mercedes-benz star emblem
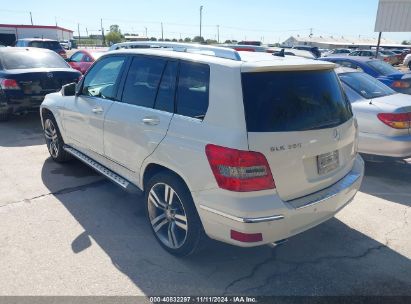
[[337, 134], [50, 75]]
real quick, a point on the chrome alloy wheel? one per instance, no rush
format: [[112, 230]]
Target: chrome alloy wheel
[[167, 215], [50, 132]]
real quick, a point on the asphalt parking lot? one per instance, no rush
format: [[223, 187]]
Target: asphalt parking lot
[[64, 230]]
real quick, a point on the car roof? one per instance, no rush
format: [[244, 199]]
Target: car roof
[[35, 39], [22, 49], [249, 61], [343, 70], [353, 58]]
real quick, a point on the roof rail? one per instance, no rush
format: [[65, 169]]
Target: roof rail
[[215, 51]]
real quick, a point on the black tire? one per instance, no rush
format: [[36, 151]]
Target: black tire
[[54, 141], [409, 65], [194, 232], [4, 116]]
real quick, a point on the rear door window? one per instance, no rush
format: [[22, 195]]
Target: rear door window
[[293, 101], [143, 80], [166, 91], [193, 89]]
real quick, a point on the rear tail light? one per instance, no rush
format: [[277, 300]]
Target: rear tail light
[[246, 237], [401, 84], [9, 84], [240, 171], [396, 120], [386, 59], [63, 53]]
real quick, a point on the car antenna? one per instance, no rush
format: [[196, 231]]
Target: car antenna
[[280, 53]]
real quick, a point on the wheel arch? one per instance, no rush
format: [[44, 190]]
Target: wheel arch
[[151, 169]]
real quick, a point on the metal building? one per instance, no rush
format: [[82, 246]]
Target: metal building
[[9, 33]]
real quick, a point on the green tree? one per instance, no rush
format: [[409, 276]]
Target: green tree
[[187, 39], [115, 28], [211, 41], [174, 40], [405, 42], [198, 39], [153, 39], [228, 41], [113, 37]]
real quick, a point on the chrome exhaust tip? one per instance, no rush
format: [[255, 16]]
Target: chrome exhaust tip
[[278, 243]]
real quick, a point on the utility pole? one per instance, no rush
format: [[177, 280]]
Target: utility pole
[[102, 32], [218, 34], [31, 18], [78, 29], [378, 45], [55, 18], [201, 18], [146, 32], [162, 32], [311, 32], [87, 32]]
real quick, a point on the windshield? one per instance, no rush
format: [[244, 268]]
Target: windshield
[[382, 67], [32, 59], [293, 101], [51, 45], [365, 85]]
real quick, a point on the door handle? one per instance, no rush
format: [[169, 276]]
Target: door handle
[[151, 120], [97, 110]]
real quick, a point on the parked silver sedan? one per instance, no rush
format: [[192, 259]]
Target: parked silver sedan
[[384, 116]]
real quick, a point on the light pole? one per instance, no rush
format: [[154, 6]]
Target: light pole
[[218, 33], [146, 31], [201, 19]]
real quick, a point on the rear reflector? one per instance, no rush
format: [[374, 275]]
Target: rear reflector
[[240, 171], [9, 84], [246, 237], [396, 120]]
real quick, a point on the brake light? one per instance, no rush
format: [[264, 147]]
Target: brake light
[[401, 84], [63, 53], [396, 120], [9, 84], [239, 171], [386, 59]]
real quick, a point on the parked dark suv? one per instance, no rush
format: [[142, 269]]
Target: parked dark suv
[[313, 49], [53, 45]]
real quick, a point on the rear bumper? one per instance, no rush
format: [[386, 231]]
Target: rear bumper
[[390, 146], [18, 105], [267, 214]]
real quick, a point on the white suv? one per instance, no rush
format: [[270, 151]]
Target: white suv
[[248, 149]]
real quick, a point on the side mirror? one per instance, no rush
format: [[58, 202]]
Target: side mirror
[[69, 89]]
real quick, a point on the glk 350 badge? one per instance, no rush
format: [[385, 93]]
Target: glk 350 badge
[[286, 147]]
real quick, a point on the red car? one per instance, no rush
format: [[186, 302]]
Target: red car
[[83, 59]]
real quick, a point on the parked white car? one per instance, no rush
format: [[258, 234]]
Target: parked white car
[[407, 61], [247, 149], [384, 116]]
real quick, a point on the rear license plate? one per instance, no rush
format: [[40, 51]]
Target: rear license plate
[[327, 162]]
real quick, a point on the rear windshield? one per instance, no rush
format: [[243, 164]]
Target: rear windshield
[[293, 101], [365, 85], [51, 45], [383, 67], [31, 60]]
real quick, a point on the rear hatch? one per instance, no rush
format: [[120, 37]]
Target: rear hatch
[[303, 124]]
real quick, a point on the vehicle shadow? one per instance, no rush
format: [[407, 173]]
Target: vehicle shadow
[[331, 259], [22, 130], [388, 180]]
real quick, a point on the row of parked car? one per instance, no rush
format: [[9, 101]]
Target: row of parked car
[[221, 142]]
